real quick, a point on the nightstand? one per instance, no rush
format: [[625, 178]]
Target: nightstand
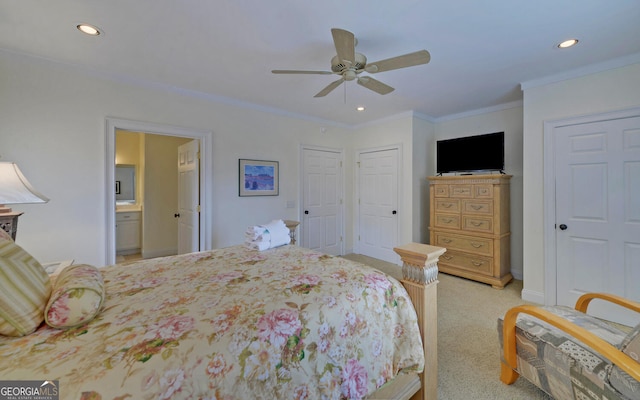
[[292, 225], [9, 223]]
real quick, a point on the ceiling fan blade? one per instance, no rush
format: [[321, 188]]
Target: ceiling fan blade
[[345, 43], [407, 60], [295, 71], [329, 88], [375, 85]]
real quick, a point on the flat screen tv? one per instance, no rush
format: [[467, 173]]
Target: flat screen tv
[[471, 153]]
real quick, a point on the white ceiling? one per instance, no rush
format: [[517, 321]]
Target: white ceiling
[[225, 49]]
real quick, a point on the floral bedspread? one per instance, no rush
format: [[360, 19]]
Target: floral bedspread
[[285, 323]]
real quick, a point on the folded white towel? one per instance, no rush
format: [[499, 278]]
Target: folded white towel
[[276, 226], [258, 229], [253, 232], [264, 236], [280, 240], [267, 236]]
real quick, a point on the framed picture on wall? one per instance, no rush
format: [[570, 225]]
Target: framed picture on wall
[[257, 178]]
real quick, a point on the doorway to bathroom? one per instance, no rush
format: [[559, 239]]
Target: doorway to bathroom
[[153, 149]]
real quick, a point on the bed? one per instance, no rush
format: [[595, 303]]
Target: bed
[[235, 323]]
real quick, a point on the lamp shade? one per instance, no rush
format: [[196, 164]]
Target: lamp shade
[[15, 188]]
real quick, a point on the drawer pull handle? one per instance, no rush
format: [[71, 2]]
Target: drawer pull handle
[[446, 205], [448, 258], [477, 263], [447, 220], [477, 223], [445, 240], [477, 207], [476, 245]]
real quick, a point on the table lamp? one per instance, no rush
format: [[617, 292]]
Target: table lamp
[[15, 189]]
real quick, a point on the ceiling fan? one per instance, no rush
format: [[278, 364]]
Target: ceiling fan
[[349, 64]]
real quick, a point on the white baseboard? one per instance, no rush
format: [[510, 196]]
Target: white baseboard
[[159, 253], [533, 296]]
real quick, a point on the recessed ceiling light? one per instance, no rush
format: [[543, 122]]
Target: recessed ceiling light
[[88, 29], [568, 43], [360, 108]]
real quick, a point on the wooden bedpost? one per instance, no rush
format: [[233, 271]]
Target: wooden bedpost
[[420, 278]]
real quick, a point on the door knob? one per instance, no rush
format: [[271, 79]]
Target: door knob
[[562, 227], [394, 212], [306, 211], [176, 215]]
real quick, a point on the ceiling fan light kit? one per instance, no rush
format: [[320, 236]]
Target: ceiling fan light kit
[[349, 65]]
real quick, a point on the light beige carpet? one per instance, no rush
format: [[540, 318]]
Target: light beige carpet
[[468, 349]]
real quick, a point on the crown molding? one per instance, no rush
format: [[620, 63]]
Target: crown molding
[[479, 111]]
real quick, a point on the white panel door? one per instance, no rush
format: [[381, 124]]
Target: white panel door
[[322, 201], [378, 204], [188, 198], [598, 213]]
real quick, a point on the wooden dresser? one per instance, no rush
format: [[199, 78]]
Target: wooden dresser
[[469, 216]]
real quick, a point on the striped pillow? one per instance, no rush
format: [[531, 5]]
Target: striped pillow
[[24, 290]]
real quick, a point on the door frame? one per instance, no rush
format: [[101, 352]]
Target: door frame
[[400, 194], [206, 173], [549, 189], [340, 151]]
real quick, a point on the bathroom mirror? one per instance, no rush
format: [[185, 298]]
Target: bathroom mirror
[[125, 184]]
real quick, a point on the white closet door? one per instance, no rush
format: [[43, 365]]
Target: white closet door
[[378, 204], [322, 201], [598, 213]]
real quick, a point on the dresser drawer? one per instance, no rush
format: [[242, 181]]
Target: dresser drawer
[[448, 205], [464, 243], [483, 191], [450, 221], [127, 216], [461, 191], [441, 190], [477, 206], [477, 223], [483, 265]]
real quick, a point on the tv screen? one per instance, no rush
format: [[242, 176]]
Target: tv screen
[[471, 153]]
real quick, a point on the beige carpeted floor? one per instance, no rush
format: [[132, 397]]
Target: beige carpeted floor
[[468, 355]]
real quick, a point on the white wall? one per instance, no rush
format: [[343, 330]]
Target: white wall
[[611, 90], [424, 143], [53, 125], [509, 121]]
